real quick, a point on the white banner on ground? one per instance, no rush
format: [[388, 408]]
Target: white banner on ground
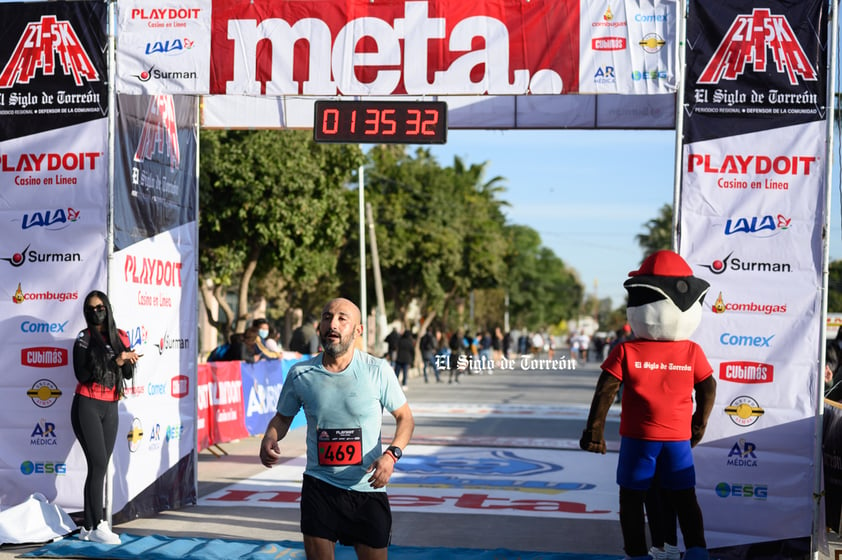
[[467, 480]]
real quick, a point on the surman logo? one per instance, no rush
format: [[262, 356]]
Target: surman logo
[[38, 48], [160, 131], [749, 41]]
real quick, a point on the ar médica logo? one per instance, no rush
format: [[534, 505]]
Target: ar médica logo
[[750, 40], [46, 46]]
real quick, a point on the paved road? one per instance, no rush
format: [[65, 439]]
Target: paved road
[[494, 464]]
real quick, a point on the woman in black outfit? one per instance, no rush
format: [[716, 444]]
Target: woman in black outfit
[[102, 361]]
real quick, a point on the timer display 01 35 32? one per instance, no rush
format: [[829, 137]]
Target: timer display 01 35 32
[[380, 122]]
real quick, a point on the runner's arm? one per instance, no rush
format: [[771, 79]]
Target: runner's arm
[[275, 432]]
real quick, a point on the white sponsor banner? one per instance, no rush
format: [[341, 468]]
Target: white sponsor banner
[[466, 480], [163, 46], [628, 46], [154, 289], [53, 221], [463, 112], [748, 171]]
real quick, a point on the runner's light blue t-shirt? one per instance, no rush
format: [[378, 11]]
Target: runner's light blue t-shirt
[[344, 415]]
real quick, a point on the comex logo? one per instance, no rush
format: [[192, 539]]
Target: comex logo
[[42, 45], [748, 41]]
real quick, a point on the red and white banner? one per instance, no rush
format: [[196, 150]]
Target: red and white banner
[[397, 47], [221, 409], [497, 63], [752, 209]]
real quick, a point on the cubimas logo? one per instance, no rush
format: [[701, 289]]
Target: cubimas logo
[[43, 357], [750, 41], [746, 372], [48, 45], [179, 386]]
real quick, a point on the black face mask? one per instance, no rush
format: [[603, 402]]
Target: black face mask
[[96, 316]]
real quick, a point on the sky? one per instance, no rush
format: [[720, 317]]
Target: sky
[[588, 193]]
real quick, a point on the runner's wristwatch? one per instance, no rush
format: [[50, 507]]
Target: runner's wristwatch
[[395, 451]]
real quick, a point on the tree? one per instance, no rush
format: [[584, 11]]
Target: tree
[[834, 287], [542, 291], [658, 233], [271, 202]]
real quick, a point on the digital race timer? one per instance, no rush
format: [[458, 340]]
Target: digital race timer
[[380, 122]]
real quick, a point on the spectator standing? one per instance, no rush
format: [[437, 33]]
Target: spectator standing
[[405, 356], [102, 361], [305, 339], [458, 349], [391, 341], [428, 346]]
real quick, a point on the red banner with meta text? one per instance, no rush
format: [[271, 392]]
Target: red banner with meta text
[[221, 411], [426, 47]]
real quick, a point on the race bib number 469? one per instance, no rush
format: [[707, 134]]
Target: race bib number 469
[[341, 447]]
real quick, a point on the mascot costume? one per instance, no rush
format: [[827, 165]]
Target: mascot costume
[[659, 370]]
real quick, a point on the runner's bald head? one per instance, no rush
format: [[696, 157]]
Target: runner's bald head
[[346, 306]]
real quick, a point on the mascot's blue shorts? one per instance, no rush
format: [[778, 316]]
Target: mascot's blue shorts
[[641, 460]]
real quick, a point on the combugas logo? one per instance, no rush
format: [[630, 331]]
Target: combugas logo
[[45, 46], [749, 41]]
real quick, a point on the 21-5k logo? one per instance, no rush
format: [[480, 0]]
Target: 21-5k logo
[[48, 45]]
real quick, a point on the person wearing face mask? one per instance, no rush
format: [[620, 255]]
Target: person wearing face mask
[[102, 362], [266, 348]]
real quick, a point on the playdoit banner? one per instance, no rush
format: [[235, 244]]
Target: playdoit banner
[[54, 183], [154, 280], [752, 212]]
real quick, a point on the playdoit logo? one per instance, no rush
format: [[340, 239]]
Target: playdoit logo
[[48, 45]]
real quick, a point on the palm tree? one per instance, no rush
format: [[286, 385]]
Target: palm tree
[[658, 233]]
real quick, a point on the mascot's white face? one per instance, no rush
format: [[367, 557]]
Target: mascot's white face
[[665, 299], [663, 320]]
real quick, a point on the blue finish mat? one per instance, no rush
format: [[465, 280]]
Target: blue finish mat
[[169, 548]]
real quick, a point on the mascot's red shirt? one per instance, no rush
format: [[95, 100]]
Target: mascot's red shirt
[[658, 379]]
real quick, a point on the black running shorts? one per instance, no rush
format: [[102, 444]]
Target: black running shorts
[[347, 516]]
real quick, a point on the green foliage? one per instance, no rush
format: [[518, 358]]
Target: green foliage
[[834, 287], [659, 232], [271, 202], [279, 219]]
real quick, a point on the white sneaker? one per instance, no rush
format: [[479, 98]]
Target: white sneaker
[[657, 553], [103, 534], [671, 552], [84, 534]]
